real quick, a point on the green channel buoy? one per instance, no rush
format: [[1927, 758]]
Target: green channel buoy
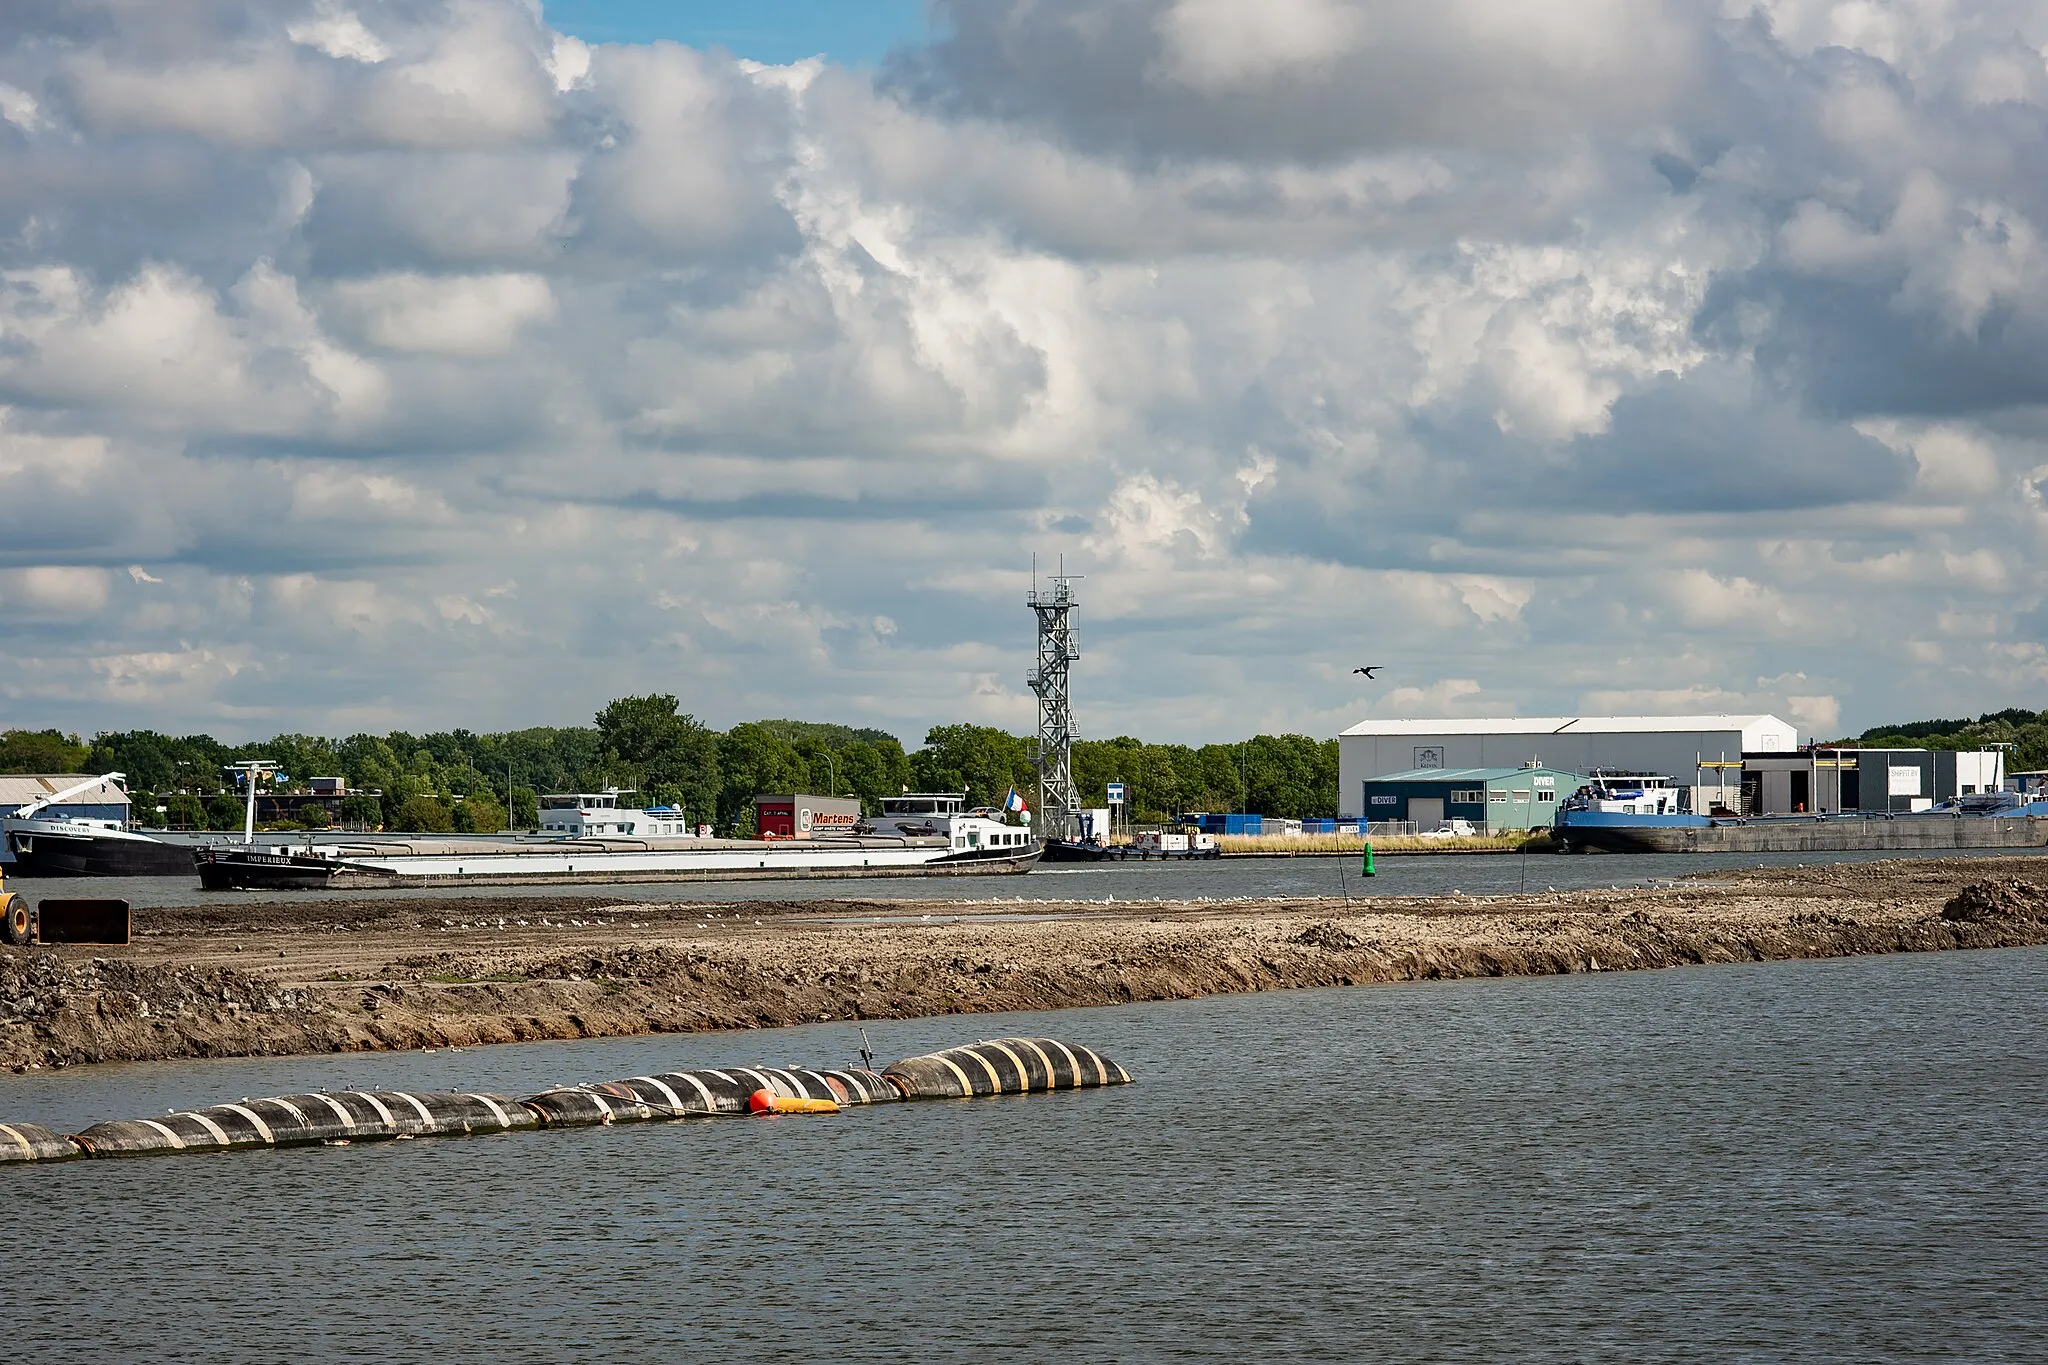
[[1368, 869]]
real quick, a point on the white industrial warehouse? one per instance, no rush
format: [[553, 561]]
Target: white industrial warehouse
[[1702, 752]]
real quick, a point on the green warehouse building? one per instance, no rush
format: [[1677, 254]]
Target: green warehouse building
[[1493, 799]]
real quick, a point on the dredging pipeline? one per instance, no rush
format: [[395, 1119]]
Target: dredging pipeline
[[1004, 1066]]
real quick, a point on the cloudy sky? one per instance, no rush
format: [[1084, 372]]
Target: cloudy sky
[[368, 363]]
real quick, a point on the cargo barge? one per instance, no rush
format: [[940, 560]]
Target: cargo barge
[[597, 842]]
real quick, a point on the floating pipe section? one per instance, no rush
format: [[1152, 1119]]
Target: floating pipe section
[[704, 1091], [1003, 1066], [33, 1142], [301, 1120]]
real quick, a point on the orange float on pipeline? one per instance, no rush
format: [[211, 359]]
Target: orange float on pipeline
[[768, 1102]]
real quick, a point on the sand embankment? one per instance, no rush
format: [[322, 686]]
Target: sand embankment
[[238, 978]]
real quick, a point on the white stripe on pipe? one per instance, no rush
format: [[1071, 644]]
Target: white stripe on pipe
[[832, 1092], [796, 1083], [504, 1119], [720, 1074], [966, 1086], [1051, 1080], [348, 1120], [220, 1134], [262, 1128], [995, 1081], [26, 1145], [710, 1100], [675, 1101], [764, 1082], [426, 1118], [1101, 1076], [378, 1105], [859, 1086], [165, 1129], [1023, 1072], [598, 1100], [1073, 1062], [289, 1108]]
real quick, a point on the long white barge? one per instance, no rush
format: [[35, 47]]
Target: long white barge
[[923, 836]]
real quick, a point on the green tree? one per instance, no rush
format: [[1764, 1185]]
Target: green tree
[[873, 769], [313, 815], [423, 814], [831, 736], [184, 811], [664, 747], [225, 812], [752, 761], [299, 758], [479, 813], [362, 810], [980, 760], [1290, 775], [42, 751]]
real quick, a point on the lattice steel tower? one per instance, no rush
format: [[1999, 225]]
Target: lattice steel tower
[[1058, 806]]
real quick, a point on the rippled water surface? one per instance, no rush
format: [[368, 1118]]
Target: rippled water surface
[[1787, 1161]]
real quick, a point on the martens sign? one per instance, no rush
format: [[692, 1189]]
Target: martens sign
[[801, 817]]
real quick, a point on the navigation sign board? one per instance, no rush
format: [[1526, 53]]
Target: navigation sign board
[[1116, 793]]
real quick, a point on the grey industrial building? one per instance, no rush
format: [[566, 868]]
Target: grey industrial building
[[1873, 780], [1704, 753], [1752, 765], [1494, 799]]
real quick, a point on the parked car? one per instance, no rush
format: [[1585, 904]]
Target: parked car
[[1451, 829]]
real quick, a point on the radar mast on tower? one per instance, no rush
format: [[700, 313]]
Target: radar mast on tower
[[1058, 806]]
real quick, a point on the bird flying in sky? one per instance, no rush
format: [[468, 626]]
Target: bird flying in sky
[[1369, 670]]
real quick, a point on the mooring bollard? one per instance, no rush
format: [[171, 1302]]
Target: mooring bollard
[[1368, 868]]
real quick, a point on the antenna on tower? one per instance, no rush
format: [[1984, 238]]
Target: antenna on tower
[[1058, 804]]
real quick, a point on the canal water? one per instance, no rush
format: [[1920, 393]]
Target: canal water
[[1398, 875], [1835, 1160]]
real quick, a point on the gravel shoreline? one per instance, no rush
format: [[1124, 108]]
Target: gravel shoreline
[[278, 977]]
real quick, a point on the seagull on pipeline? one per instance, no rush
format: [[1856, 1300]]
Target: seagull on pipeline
[[1369, 670]]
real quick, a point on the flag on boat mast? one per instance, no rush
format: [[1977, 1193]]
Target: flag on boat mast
[[1014, 803]]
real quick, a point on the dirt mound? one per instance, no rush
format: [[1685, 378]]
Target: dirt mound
[[1998, 898], [1330, 935]]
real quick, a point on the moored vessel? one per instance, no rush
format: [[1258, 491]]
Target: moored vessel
[[1644, 813], [44, 845], [917, 834]]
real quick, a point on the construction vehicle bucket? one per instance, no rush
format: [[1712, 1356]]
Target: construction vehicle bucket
[[85, 919]]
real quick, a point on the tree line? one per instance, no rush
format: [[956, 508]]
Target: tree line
[[458, 780], [2026, 731]]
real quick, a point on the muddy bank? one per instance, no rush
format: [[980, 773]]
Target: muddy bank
[[252, 978]]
